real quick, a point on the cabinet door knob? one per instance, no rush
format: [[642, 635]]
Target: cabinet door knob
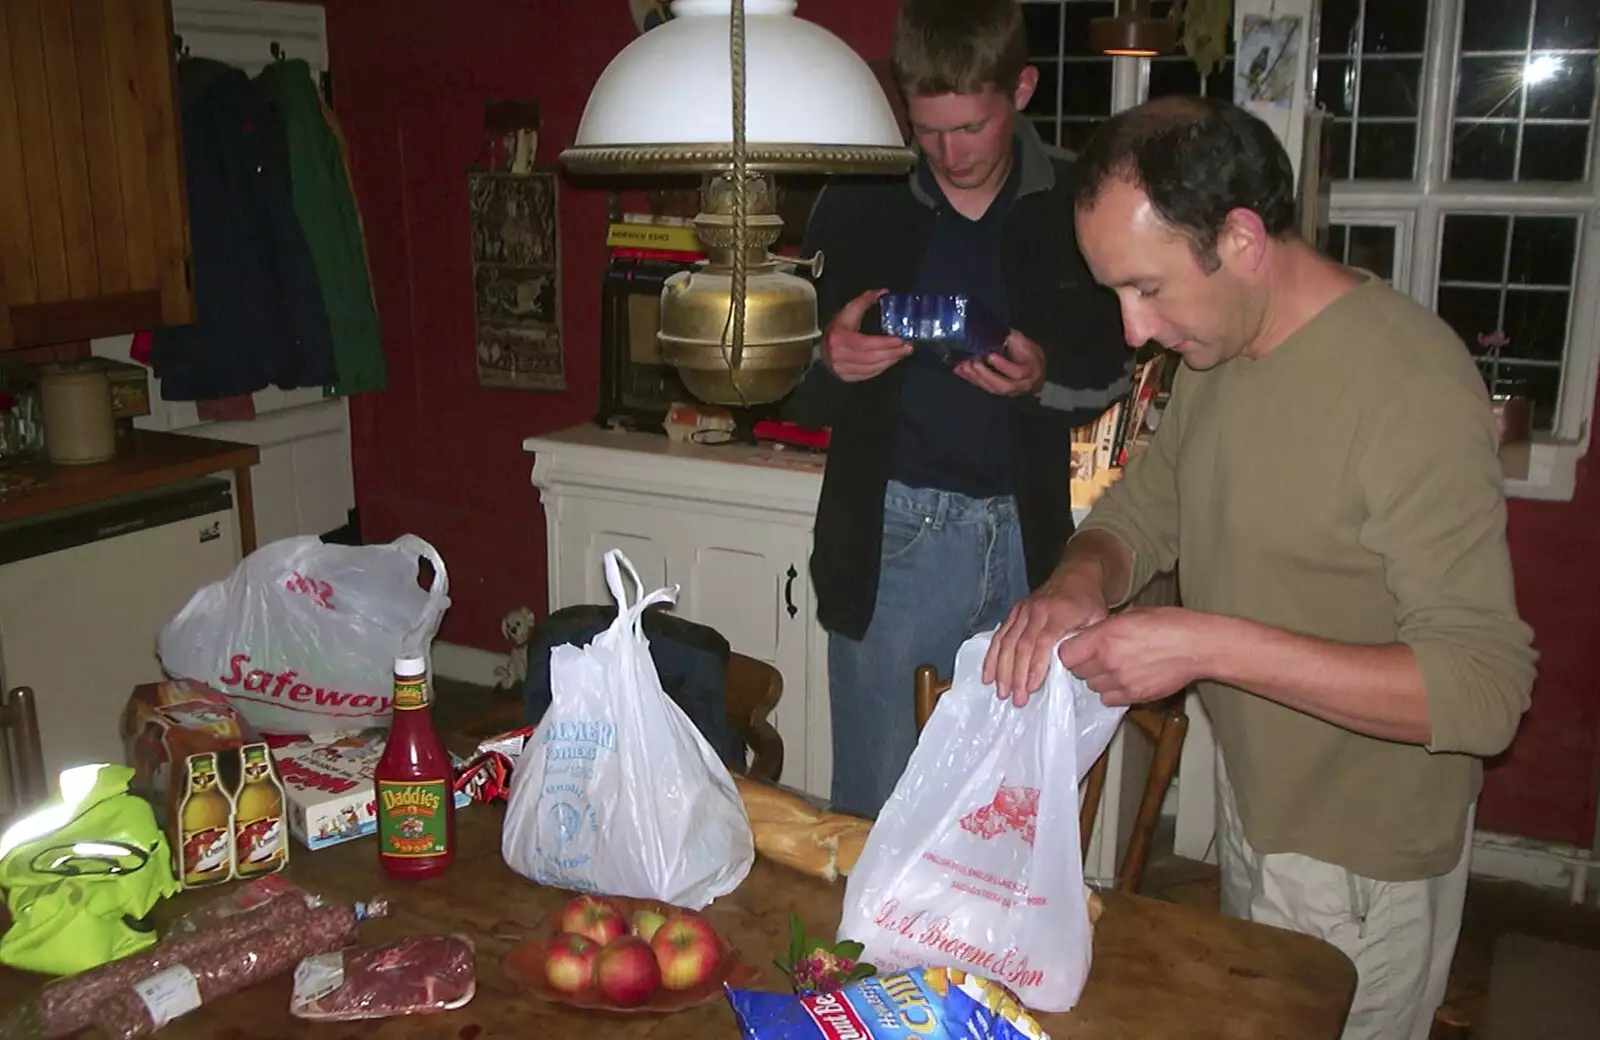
[[788, 592]]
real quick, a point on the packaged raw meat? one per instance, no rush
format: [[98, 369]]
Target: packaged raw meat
[[417, 975], [145, 1005], [68, 1004], [922, 1003]]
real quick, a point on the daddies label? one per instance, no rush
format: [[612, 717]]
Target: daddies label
[[411, 820]]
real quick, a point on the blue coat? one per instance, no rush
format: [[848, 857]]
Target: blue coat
[[260, 319]]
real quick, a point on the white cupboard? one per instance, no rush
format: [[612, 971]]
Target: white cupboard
[[731, 525]]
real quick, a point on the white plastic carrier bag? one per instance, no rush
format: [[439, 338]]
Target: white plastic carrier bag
[[616, 791], [975, 861]]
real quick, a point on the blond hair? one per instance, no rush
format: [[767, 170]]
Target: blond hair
[[959, 46]]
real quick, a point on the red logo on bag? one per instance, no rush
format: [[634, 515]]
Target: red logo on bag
[[1013, 809], [321, 592]]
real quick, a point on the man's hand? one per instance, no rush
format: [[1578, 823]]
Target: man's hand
[[853, 355], [1019, 654], [1142, 654], [1017, 372]]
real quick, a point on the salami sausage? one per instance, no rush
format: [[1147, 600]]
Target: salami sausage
[[143, 1006], [67, 1005]]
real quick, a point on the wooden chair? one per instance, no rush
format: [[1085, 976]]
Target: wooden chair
[[1163, 723], [751, 691], [25, 784]]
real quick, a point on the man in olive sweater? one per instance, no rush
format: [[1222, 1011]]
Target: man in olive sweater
[[1326, 482]]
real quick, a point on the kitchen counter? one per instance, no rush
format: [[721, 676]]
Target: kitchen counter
[[145, 459]]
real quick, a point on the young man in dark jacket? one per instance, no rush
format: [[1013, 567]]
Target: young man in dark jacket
[[946, 496]]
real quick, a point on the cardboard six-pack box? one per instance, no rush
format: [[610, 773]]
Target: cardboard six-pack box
[[174, 727], [328, 785]]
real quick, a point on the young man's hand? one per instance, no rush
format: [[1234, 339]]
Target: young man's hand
[[853, 355], [1018, 372]]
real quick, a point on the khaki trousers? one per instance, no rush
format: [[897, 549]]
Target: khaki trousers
[[1401, 935]]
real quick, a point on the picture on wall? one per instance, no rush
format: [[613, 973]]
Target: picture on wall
[[1268, 60], [516, 283]]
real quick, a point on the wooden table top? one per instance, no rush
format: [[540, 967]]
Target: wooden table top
[[145, 459], [1160, 970]]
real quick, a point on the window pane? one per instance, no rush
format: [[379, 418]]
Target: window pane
[[1075, 134], [1470, 311], [1047, 130], [1560, 86], [1489, 87], [1043, 102], [1493, 25], [1536, 325], [1386, 151], [1086, 88], [1472, 248], [1339, 25], [1395, 27], [1372, 249], [1566, 23], [1554, 153], [1043, 26], [1336, 86], [1483, 151], [1542, 250], [1391, 87]]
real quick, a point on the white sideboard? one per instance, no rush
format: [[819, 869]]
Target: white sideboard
[[731, 525]]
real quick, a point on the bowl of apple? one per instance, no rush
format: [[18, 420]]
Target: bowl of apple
[[613, 953]]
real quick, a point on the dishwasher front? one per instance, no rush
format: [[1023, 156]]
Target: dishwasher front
[[83, 593]]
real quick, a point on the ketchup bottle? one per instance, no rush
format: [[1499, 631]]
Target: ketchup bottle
[[416, 806]]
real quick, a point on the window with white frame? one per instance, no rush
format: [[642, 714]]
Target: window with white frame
[[1074, 94], [1464, 155], [1500, 197]]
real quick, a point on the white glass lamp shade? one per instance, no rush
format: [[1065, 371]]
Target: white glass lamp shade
[[666, 102]]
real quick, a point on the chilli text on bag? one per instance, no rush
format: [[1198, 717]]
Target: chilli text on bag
[[317, 590]]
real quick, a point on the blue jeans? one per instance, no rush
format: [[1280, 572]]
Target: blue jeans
[[951, 568]]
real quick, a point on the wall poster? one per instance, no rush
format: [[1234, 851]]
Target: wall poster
[[516, 279]]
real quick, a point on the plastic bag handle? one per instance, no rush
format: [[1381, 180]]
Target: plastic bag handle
[[616, 563], [420, 549]]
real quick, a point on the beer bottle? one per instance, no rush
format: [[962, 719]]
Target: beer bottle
[[416, 806], [262, 845], [204, 824]]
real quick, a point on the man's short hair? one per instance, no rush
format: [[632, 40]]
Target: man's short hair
[[1197, 160], [959, 46]]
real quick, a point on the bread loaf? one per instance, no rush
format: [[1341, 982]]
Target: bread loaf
[[791, 831]]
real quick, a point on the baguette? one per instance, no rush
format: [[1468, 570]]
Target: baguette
[[789, 830]]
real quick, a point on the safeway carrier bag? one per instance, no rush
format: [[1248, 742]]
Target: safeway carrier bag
[[302, 636], [975, 860]]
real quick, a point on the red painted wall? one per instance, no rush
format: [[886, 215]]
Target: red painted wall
[[438, 455]]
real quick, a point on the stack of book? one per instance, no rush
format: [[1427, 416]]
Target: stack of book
[[1100, 449], [642, 236]]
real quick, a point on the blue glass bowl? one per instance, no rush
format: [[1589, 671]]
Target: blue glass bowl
[[949, 324]]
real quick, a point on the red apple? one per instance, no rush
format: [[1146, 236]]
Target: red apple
[[594, 917], [688, 950], [569, 962], [626, 971], [646, 923]]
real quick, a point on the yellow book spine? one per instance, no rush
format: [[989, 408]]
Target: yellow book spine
[[653, 236]]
